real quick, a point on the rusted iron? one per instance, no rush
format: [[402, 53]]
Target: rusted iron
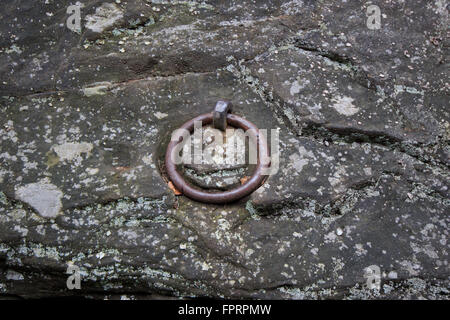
[[250, 185], [220, 114]]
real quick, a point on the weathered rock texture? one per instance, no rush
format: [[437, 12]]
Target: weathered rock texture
[[363, 120]]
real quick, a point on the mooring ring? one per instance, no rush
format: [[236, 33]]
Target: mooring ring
[[255, 181]]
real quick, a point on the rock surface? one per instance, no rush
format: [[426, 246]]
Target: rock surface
[[363, 172]]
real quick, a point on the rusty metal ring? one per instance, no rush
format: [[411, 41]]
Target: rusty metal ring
[[255, 181]]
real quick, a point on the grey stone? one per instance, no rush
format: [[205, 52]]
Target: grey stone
[[362, 180]]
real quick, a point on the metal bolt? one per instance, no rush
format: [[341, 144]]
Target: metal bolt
[[220, 114]]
